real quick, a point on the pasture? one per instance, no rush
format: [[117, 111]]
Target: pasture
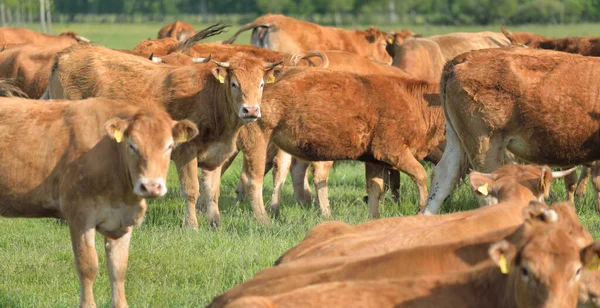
[[170, 266]]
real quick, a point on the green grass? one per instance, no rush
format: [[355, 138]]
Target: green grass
[[174, 267]]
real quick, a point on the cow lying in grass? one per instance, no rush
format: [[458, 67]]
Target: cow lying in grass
[[91, 163]]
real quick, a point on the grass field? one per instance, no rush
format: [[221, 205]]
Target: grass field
[[174, 267]]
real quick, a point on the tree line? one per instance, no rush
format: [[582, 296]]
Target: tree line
[[438, 12]]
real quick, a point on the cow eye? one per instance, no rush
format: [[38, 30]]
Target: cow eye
[[577, 273], [234, 85], [262, 84], [524, 272], [133, 148], [169, 148]]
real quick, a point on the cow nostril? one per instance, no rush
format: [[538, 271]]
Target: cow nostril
[[144, 188], [245, 110]]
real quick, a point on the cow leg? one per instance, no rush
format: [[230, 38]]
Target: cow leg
[[300, 181], [117, 255], [253, 171], [86, 260], [320, 172], [188, 178], [582, 182], [596, 183], [281, 167], [374, 176], [570, 186], [408, 164], [394, 184], [446, 174], [211, 189]]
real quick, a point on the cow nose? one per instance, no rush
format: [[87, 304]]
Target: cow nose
[[151, 189], [250, 112]]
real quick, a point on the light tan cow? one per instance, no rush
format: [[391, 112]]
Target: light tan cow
[[219, 97], [458, 255], [91, 163], [541, 111], [282, 33], [543, 270], [26, 36]]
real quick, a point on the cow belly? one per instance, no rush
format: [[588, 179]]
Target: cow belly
[[28, 206], [554, 153]]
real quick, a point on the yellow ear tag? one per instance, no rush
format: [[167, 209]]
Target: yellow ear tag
[[594, 265], [118, 134], [483, 189], [390, 40], [503, 264], [270, 79], [221, 79], [183, 138]]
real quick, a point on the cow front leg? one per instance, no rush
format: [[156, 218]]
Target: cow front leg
[[320, 172], [281, 168], [211, 189], [117, 255], [374, 177], [188, 178], [570, 186], [582, 182], [86, 261]]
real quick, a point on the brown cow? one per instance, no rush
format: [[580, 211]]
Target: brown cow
[[511, 187], [488, 111], [164, 46], [218, 97], [26, 36], [424, 58], [282, 33], [91, 163], [177, 30], [585, 46], [459, 255], [542, 270]]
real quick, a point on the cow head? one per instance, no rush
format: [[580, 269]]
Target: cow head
[[544, 269], [145, 143], [380, 40], [514, 183], [75, 36], [243, 78]]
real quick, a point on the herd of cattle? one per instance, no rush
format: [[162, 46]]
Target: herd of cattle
[[102, 126]]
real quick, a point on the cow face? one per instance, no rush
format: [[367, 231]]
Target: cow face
[[514, 183], [145, 142], [546, 270], [380, 41], [244, 79]]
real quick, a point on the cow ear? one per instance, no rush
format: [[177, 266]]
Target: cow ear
[[271, 75], [115, 128], [184, 131], [220, 73], [545, 181], [539, 212], [590, 256], [481, 183], [502, 254]]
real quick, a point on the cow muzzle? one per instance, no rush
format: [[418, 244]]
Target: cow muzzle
[[150, 188], [249, 113]]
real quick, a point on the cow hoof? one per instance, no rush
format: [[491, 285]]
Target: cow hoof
[[366, 199], [215, 222], [265, 220], [273, 210]]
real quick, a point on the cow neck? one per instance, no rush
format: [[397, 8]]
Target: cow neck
[[490, 288]]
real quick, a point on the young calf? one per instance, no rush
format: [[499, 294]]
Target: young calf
[[89, 162], [512, 186], [542, 270]]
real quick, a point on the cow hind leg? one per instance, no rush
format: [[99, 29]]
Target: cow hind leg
[[582, 182], [117, 255], [408, 164], [394, 184], [253, 172], [446, 173], [595, 173], [281, 167], [86, 261], [300, 181], [374, 177], [571, 186], [320, 172]]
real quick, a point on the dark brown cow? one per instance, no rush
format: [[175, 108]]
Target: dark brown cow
[[26, 36], [285, 34], [177, 30], [92, 163], [458, 255], [219, 97], [491, 110], [541, 270]]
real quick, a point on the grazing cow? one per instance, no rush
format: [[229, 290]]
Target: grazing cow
[[424, 58], [29, 66], [91, 163], [458, 255], [585, 46], [511, 188], [219, 97], [177, 30], [164, 46], [26, 36], [542, 112], [282, 33], [365, 117], [542, 270]]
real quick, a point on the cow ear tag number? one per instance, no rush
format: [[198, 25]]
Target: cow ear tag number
[[483, 189], [503, 264], [118, 134]]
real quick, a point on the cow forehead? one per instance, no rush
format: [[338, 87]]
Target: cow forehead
[[551, 250], [151, 131]]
